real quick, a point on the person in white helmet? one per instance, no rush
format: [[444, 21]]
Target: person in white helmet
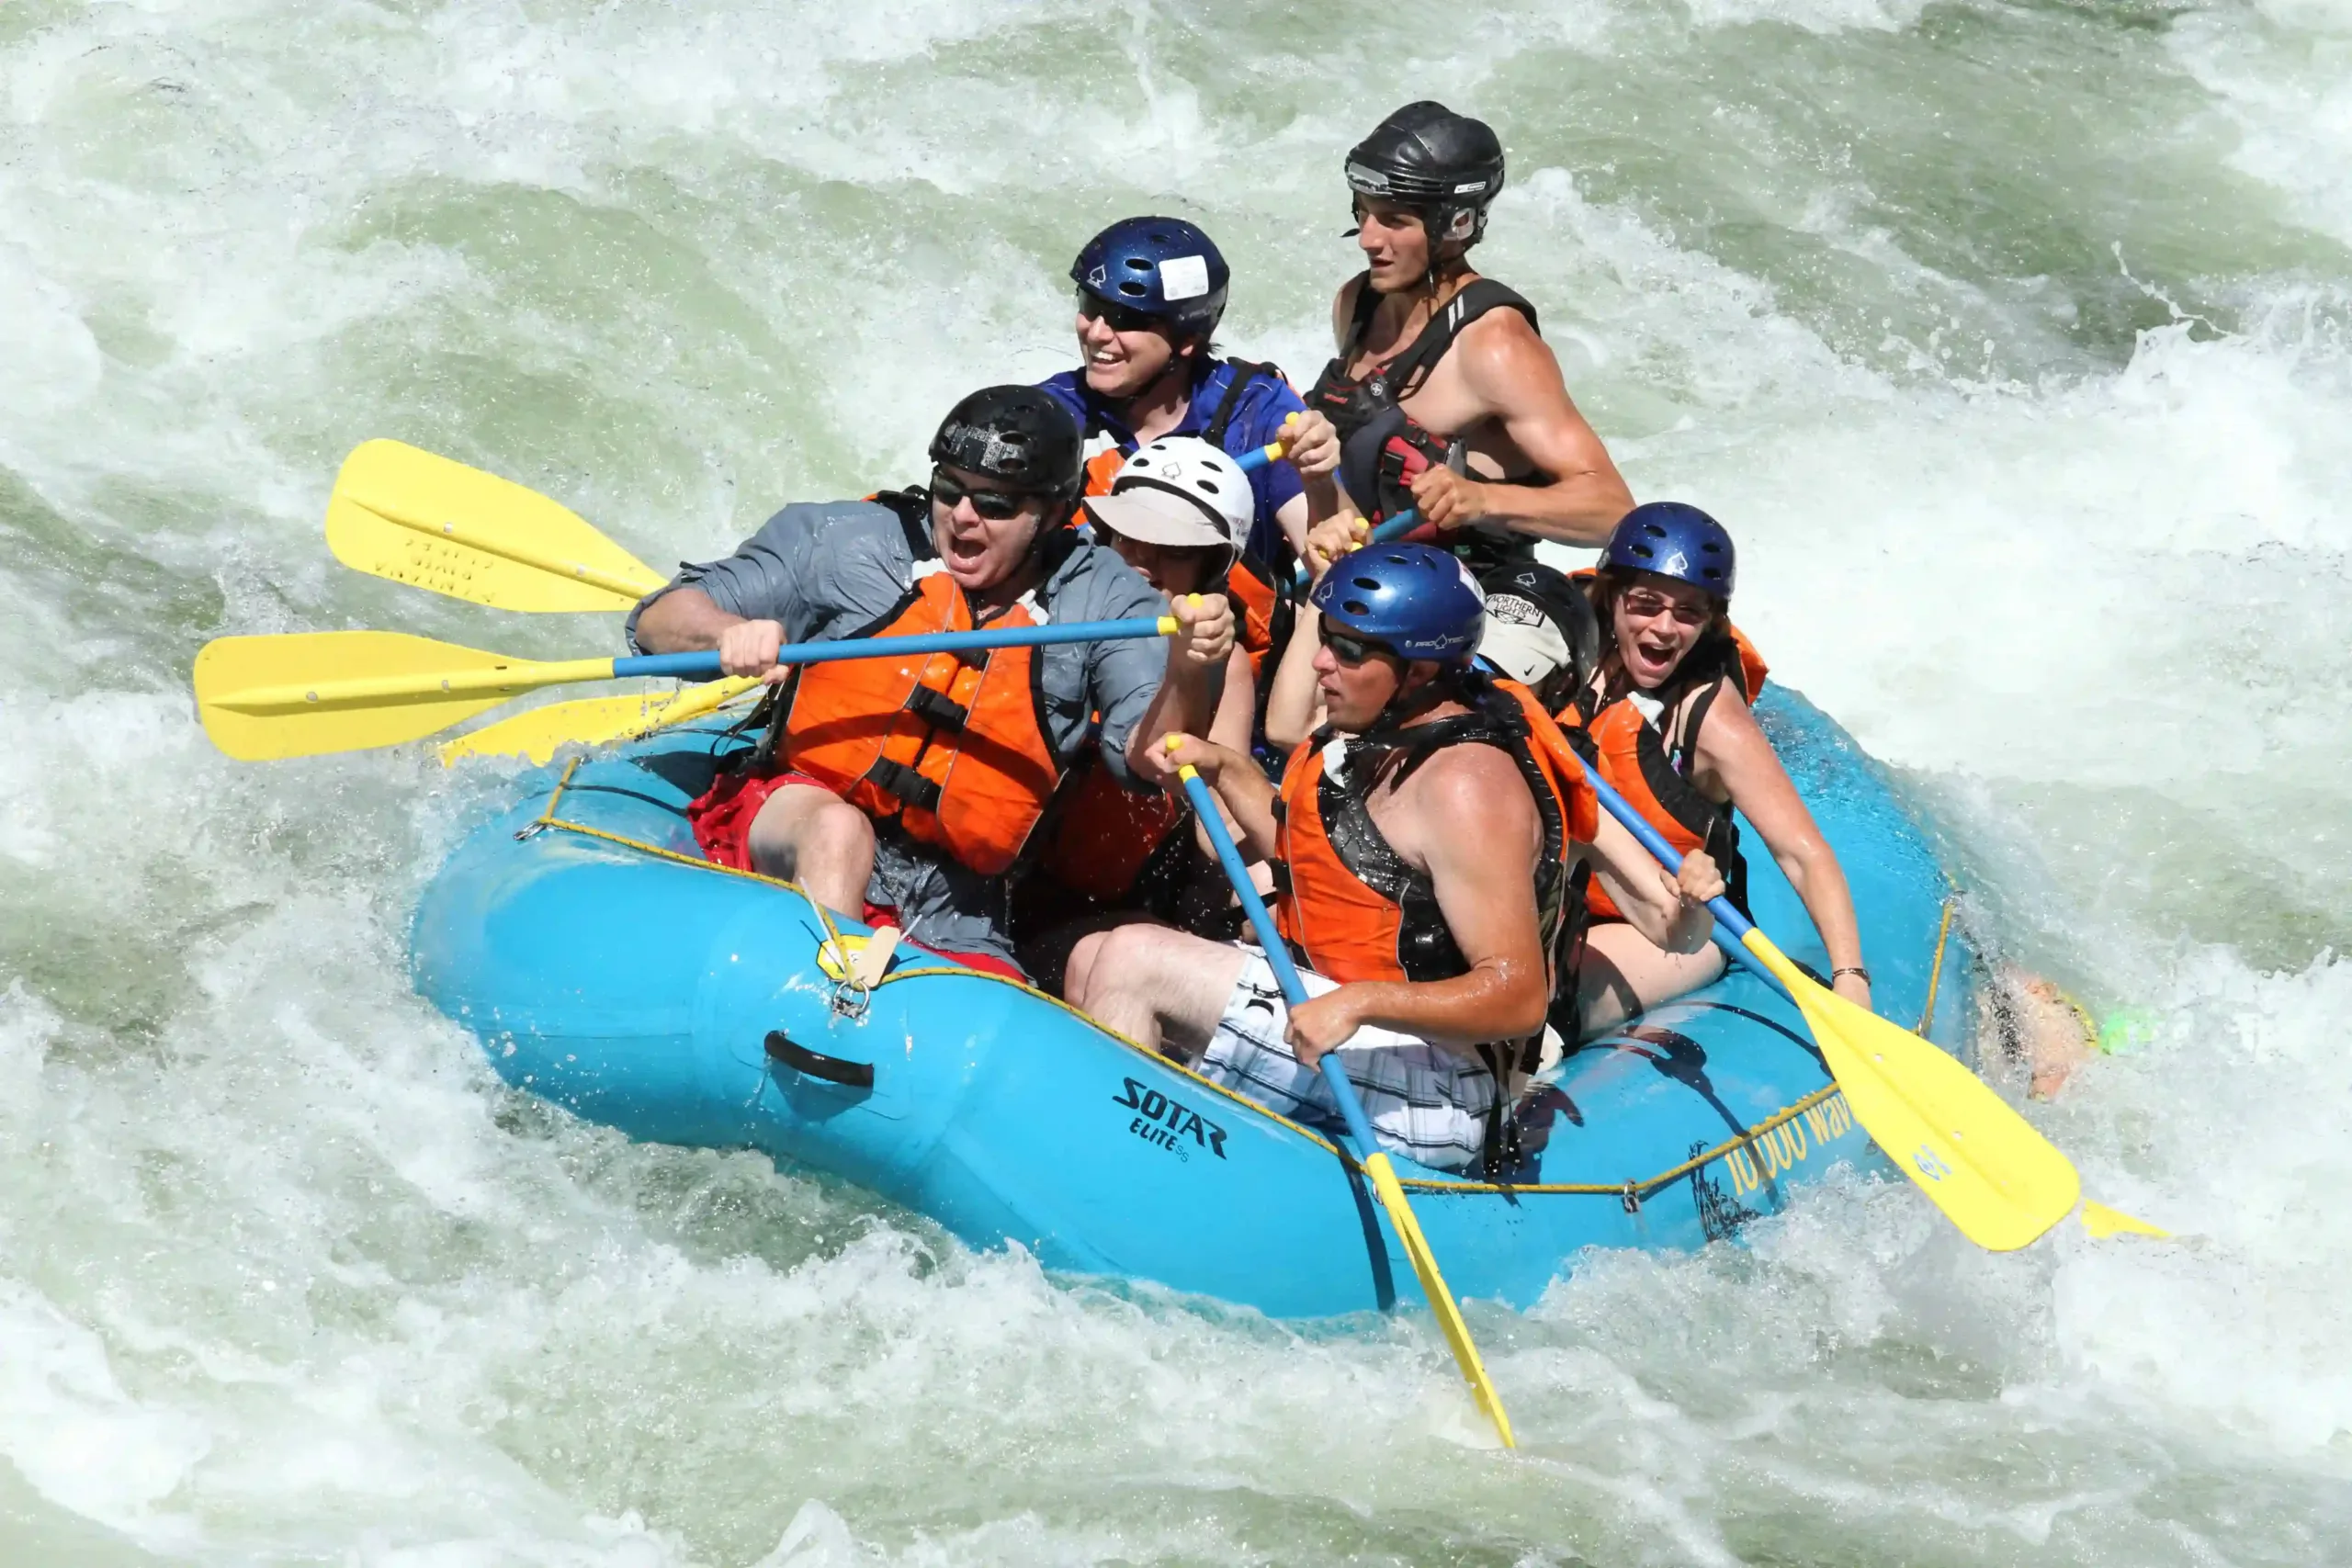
[[1179, 512]]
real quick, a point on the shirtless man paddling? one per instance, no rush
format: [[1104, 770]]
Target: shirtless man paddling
[[1443, 396], [1427, 861]]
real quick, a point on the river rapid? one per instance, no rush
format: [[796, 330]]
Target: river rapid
[[2010, 340]]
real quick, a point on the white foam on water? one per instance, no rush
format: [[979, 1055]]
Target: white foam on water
[[286, 1275]]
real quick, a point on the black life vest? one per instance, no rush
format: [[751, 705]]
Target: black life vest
[[1381, 448]]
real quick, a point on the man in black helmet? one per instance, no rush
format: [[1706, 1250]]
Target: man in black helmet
[[1444, 398], [901, 790]]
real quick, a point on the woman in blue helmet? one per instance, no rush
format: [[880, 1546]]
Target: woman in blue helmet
[[1667, 709], [1430, 848], [1150, 292]]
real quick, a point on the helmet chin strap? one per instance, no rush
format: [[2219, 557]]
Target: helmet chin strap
[[1404, 707], [1178, 370]]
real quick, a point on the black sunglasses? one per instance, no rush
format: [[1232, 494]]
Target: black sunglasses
[[1352, 650], [1092, 306], [996, 506]]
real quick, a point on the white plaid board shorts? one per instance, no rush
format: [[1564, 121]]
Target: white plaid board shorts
[[1425, 1102]]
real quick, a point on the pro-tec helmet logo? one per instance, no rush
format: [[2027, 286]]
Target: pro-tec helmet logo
[[1096, 279], [1676, 565]]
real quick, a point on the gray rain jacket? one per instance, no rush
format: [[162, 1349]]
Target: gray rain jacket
[[827, 569]]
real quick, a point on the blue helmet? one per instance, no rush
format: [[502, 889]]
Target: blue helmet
[[1418, 601], [1163, 268], [1669, 538]]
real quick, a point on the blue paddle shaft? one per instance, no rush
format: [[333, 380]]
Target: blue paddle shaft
[[1396, 527], [1261, 921], [705, 666], [1730, 924]]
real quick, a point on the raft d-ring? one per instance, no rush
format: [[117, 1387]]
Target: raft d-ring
[[1631, 1198]]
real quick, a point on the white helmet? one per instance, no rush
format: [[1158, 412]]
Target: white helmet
[[1180, 491]]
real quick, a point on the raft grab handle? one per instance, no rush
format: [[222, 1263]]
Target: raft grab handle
[[816, 1064]]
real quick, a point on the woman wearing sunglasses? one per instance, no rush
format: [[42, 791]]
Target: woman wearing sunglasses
[[1150, 293], [1177, 514], [1667, 708]]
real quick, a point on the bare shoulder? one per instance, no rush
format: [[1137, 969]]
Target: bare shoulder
[[1472, 789], [1730, 722], [1504, 343], [1734, 756]]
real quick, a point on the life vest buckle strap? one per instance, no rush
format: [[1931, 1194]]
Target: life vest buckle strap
[[937, 709], [904, 785]]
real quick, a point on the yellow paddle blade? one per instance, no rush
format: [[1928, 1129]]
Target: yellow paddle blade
[[267, 697], [2103, 1222], [1433, 1285], [1984, 1165], [404, 514], [593, 721]]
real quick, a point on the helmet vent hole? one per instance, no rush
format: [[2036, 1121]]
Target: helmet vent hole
[[1137, 264], [1371, 585], [1209, 485], [1132, 290], [1357, 606]]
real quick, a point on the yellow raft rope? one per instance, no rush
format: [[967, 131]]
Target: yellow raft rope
[[1630, 1192]]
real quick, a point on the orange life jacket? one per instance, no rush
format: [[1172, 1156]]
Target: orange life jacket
[[953, 750], [1263, 613], [1101, 469], [1652, 770], [1107, 836], [1353, 908]]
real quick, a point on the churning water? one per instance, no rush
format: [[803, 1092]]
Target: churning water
[[2010, 338]]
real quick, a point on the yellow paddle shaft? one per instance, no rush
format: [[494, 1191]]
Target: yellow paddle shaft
[[1391, 1194]]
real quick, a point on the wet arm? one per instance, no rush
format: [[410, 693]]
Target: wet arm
[[1476, 833], [1513, 372], [1644, 893], [1734, 753], [683, 620], [1294, 704], [772, 576], [1245, 793]]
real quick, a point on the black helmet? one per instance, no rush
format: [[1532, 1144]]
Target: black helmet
[[1018, 435], [1541, 629], [1448, 166]]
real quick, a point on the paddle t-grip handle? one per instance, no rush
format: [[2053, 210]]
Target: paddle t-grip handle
[[1396, 527], [1261, 921]]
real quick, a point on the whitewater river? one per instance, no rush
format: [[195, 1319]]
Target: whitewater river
[[2011, 341]]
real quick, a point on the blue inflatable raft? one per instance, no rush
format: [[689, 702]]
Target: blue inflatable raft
[[605, 966]]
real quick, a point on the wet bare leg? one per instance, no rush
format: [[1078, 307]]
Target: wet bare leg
[[1624, 972], [1159, 988], [812, 837]]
